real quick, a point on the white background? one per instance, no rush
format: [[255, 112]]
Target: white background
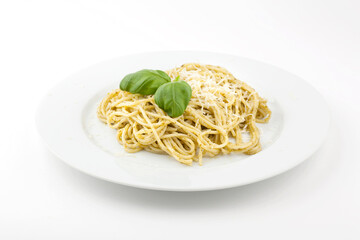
[[42, 42]]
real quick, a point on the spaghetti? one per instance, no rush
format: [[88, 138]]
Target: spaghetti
[[220, 113]]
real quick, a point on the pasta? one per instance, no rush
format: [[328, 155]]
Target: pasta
[[221, 112]]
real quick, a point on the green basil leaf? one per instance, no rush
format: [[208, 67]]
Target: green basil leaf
[[173, 97], [145, 81]]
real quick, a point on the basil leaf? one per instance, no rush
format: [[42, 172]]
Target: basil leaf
[[145, 81], [173, 97]]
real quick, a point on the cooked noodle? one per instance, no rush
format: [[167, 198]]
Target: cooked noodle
[[221, 112]]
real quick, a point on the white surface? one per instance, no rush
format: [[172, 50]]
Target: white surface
[[82, 141], [42, 42]]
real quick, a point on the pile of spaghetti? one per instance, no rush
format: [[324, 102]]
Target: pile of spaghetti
[[222, 111]]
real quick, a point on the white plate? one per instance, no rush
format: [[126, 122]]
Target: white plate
[[67, 122]]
